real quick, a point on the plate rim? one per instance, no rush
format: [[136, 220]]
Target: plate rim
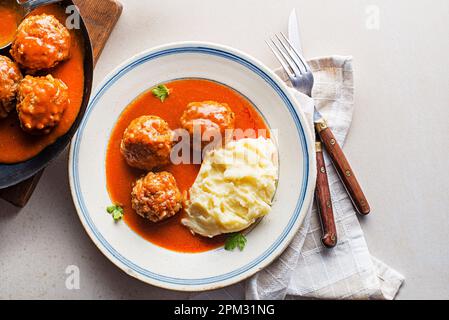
[[302, 205]]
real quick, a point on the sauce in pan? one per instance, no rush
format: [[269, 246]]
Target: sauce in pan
[[10, 17], [171, 234], [15, 144]]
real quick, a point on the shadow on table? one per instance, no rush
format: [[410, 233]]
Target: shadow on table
[[7, 210]]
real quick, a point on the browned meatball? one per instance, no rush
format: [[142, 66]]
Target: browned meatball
[[156, 196], [147, 143], [9, 82], [41, 42], [209, 117], [41, 103]]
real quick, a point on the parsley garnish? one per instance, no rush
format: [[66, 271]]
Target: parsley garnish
[[161, 92], [116, 211], [235, 240]]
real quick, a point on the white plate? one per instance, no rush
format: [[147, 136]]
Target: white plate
[[192, 271]]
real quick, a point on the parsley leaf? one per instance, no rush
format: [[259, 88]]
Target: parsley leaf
[[161, 92], [116, 211], [235, 240]]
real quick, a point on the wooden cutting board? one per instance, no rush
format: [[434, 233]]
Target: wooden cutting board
[[100, 17]]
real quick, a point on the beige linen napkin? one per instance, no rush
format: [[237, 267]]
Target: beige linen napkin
[[306, 269]]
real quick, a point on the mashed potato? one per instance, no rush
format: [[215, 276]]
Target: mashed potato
[[234, 187]]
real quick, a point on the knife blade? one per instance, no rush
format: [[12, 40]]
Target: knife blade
[[293, 30], [295, 38]]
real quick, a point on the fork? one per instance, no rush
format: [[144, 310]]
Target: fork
[[301, 76]]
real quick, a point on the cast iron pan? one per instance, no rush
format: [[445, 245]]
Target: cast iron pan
[[11, 174]]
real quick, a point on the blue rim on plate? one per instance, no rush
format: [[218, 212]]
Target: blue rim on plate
[[79, 200]]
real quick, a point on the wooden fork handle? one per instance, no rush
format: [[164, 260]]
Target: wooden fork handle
[[343, 168], [324, 202]]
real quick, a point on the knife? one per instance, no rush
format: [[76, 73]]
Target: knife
[[336, 154], [322, 192], [293, 30]]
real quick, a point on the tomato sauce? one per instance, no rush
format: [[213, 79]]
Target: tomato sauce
[[10, 17], [15, 144], [170, 234]]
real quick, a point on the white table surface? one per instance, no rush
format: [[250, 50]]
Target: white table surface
[[398, 143]]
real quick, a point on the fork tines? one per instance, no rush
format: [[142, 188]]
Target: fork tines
[[291, 60]]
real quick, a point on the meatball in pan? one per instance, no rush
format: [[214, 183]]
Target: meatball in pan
[[10, 77], [41, 102], [156, 196], [41, 42]]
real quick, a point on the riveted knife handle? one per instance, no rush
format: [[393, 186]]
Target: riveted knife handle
[[324, 202], [343, 168]]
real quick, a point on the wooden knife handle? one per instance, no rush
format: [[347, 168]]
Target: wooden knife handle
[[324, 202], [343, 168]]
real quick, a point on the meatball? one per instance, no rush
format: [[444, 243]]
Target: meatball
[[156, 196], [209, 117], [41, 42], [41, 102], [147, 143], [9, 82]]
